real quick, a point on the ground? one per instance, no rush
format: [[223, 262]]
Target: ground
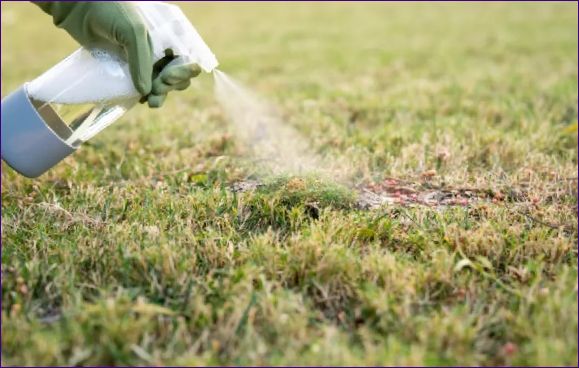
[[453, 242]]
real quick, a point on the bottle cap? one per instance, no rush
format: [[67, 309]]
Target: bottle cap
[[32, 142]]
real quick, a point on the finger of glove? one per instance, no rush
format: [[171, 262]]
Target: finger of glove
[[182, 86], [179, 73], [140, 57], [160, 87], [156, 101]]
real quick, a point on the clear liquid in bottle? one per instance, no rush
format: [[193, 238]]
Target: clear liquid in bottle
[[78, 123]]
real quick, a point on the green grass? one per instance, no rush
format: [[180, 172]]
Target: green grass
[[134, 250]]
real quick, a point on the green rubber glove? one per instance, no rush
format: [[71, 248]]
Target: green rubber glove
[[170, 78], [117, 27]]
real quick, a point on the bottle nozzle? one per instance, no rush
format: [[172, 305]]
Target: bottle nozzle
[[169, 28]]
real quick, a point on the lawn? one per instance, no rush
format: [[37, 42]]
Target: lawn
[[448, 236]]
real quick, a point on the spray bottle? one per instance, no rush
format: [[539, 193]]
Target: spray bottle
[[48, 118]]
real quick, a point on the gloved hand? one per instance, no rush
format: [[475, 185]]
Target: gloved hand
[[169, 78], [117, 27]]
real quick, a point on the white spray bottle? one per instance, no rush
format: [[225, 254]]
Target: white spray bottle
[[47, 119]]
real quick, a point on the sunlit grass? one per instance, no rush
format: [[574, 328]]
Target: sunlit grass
[[137, 250]]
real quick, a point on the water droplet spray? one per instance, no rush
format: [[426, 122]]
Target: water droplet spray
[[259, 126]]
